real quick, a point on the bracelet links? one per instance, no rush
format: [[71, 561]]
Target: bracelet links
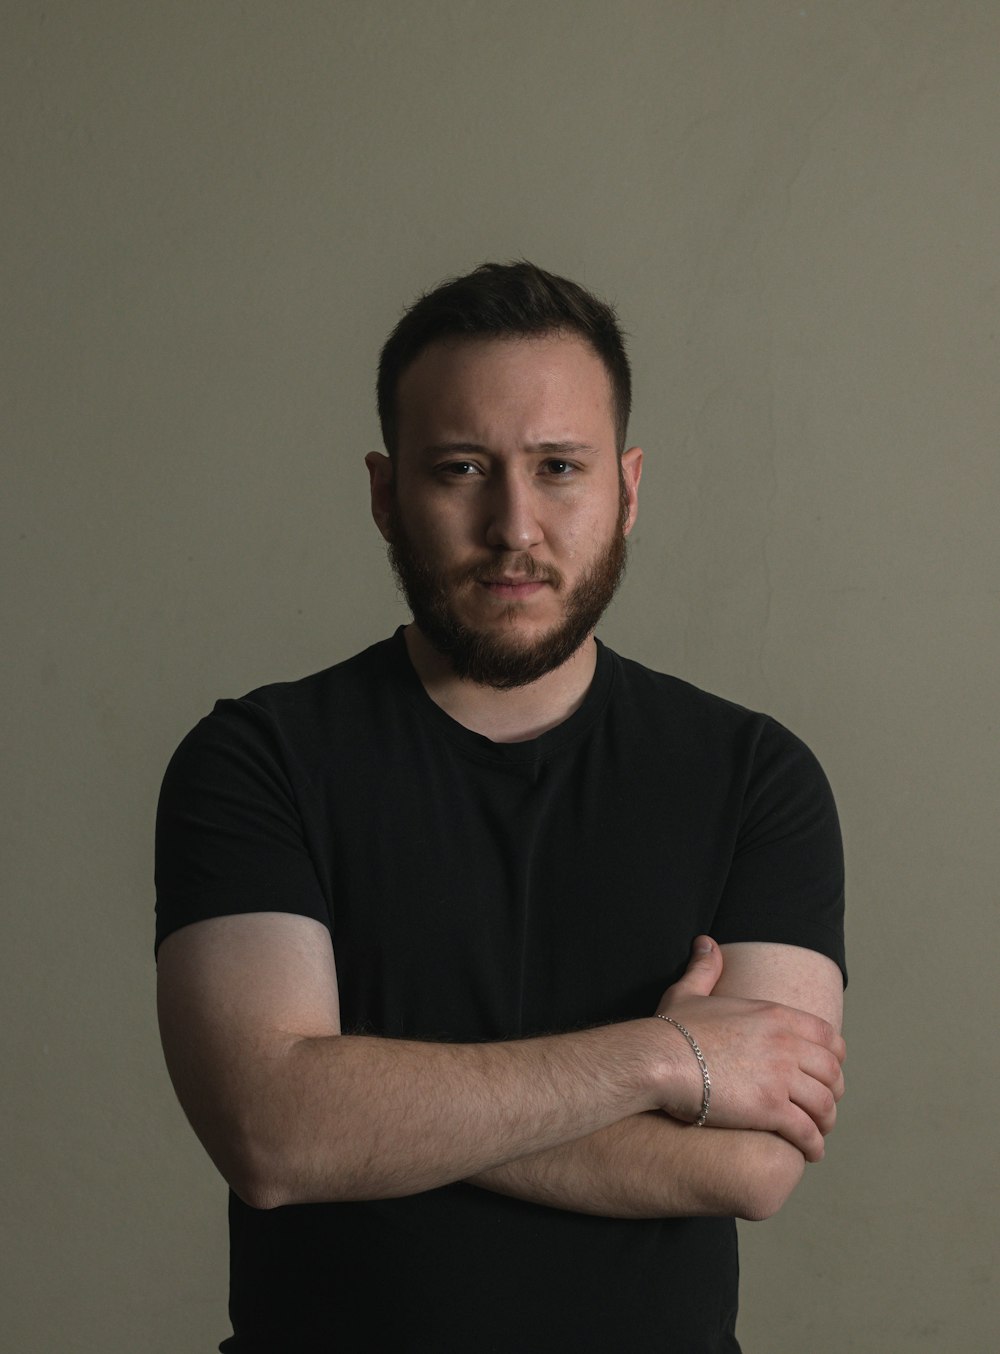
[[706, 1088]]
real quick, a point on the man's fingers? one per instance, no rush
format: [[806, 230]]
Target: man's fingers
[[816, 1100], [703, 971], [799, 1128], [811, 1027], [824, 1067]]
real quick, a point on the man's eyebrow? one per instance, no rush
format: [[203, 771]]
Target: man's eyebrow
[[561, 448], [476, 448], [449, 448]]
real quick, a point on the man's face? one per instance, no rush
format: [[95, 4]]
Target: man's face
[[507, 510]]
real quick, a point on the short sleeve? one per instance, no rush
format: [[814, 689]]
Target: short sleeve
[[786, 880], [229, 832]]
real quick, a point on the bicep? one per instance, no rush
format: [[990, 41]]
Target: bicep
[[233, 993], [790, 974]]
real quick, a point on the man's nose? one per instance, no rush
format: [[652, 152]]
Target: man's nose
[[513, 522]]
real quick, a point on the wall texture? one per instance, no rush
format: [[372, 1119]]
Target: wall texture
[[213, 213]]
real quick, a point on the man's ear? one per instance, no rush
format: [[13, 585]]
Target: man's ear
[[631, 475], [380, 476]]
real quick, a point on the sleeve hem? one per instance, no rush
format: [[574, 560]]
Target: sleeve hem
[[212, 905], [783, 930]]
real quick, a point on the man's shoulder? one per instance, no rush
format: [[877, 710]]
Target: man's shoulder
[[675, 697], [678, 714], [304, 712], [335, 683]]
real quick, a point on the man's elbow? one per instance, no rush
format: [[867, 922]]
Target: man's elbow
[[257, 1178], [770, 1183], [259, 1194], [266, 1173], [251, 1156]]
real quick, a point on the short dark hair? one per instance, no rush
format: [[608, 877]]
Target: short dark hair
[[504, 300]]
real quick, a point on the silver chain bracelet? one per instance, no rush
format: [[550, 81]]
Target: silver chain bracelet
[[706, 1091]]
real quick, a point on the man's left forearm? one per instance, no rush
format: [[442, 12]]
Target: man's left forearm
[[651, 1166]]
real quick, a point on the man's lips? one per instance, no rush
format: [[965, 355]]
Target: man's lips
[[514, 588]]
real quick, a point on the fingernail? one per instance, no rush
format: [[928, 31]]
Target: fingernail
[[703, 945]]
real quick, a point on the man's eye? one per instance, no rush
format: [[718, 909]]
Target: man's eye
[[460, 469], [559, 468]]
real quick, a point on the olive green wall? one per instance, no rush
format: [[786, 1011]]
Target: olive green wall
[[213, 213]]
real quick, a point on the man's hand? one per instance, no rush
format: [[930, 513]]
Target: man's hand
[[772, 1067]]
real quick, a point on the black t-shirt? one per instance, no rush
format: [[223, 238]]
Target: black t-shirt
[[478, 890]]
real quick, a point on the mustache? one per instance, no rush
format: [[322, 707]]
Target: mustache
[[524, 567]]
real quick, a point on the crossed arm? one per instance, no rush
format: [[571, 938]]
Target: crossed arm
[[292, 1111], [650, 1165]]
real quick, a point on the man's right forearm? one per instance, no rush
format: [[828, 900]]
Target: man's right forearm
[[353, 1117]]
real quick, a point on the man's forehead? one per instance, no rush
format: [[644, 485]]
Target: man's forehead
[[453, 380]]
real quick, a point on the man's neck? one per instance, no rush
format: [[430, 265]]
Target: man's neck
[[504, 716]]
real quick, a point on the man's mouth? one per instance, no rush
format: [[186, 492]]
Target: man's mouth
[[513, 588]]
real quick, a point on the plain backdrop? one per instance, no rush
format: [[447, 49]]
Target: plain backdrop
[[212, 215]]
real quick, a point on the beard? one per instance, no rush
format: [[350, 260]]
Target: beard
[[492, 657]]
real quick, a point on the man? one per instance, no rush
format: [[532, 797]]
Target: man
[[416, 914]]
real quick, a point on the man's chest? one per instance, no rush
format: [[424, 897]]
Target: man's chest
[[477, 901]]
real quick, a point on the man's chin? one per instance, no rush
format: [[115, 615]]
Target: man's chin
[[503, 656]]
